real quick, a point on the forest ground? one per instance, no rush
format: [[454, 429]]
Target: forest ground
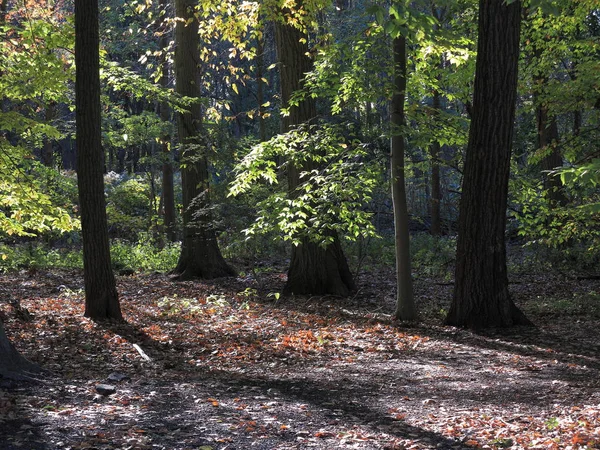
[[233, 366]]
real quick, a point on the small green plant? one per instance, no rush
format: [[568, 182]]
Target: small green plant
[[174, 305], [502, 443], [552, 423]]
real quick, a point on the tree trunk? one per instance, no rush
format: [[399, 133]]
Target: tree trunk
[[260, 61], [47, 156], [481, 297], [436, 192], [101, 299], [314, 270], [547, 141], [200, 254], [168, 191], [12, 364], [405, 305]]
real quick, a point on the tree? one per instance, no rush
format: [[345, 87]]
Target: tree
[[314, 269], [101, 299], [12, 364], [405, 306], [200, 254], [481, 297], [168, 192]]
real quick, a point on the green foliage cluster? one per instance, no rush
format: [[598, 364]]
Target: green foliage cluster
[[126, 257], [330, 199], [128, 206]]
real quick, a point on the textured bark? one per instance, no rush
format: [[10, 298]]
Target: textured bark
[[481, 297], [101, 299], [436, 192], [168, 191], [200, 254], [314, 270], [405, 305]]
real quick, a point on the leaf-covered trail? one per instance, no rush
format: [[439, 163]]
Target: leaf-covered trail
[[233, 368]]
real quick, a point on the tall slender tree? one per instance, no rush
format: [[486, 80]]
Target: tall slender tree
[[168, 191], [101, 299], [481, 297], [313, 269], [405, 305], [200, 254]]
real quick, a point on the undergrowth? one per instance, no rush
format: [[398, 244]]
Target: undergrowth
[[125, 256]]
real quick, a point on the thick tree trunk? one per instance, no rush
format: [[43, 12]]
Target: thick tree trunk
[[481, 296], [405, 305], [12, 364], [101, 299], [436, 191], [200, 254], [168, 191], [314, 270]]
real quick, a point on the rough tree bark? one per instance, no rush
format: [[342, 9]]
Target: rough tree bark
[[314, 270], [200, 254], [481, 297], [101, 299], [405, 305]]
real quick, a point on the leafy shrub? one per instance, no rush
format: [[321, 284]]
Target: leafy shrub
[[144, 256], [14, 257], [125, 256], [128, 206]]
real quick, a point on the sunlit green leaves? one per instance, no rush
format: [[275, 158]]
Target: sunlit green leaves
[[329, 199]]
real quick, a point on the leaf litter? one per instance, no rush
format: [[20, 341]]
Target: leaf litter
[[224, 365]]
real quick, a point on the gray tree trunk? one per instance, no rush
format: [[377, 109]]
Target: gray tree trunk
[[405, 305]]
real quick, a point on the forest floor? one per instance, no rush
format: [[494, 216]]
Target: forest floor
[[233, 366]]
